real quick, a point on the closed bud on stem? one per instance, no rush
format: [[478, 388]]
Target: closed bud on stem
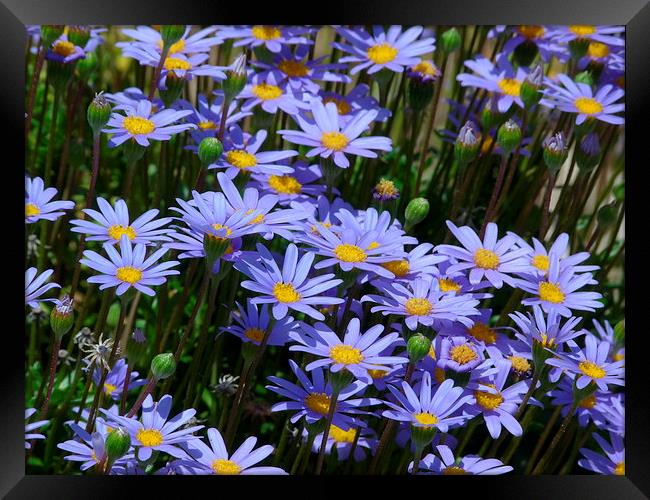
[[171, 33], [509, 136], [467, 143], [588, 153], [210, 150], [62, 317], [491, 116], [163, 366], [450, 40], [50, 32], [418, 347], [99, 112], [117, 444], [79, 35], [416, 211], [235, 79], [555, 151], [530, 88]]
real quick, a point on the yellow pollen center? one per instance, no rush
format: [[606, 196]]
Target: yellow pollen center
[[597, 50], [149, 437], [175, 63], [481, 331], [510, 86], [462, 354], [109, 388], [207, 125], [620, 469], [582, 29], [418, 307], [266, 32], [488, 400], [128, 274], [224, 467], [589, 402], [241, 159], [425, 68], [285, 184], [346, 354], [448, 285], [175, 48], [341, 436], [254, 334], [386, 188], [397, 267], [318, 402], [116, 231], [218, 227], [341, 105], [541, 262], [426, 418], [350, 253], [285, 293], [335, 141], [588, 105], [550, 292], [591, 369], [377, 374], [382, 53], [454, 470], [519, 364], [486, 259], [266, 91], [531, 30], [63, 48], [293, 68], [31, 210], [136, 125]]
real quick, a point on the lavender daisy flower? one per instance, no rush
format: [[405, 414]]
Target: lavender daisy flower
[[606, 332], [342, 441], [35, 287], [393, 49], [589, 409], [590, 365], [423, 303], [549, 332], [327, 137], [535, 38], [111, 223], [460, 354], [271, 37], [37, 202], [491, 258], [614, 412], [115, 379], [357, 99], [289, 288], [64, 52], [437, 409], [242, 155], [357, 352], [271, 95], [614, 460], [447, 465], [455, 281], [602, 34], [179, 65], [312, 399], [321, 213], [147, 39], [141, 125], [128, 267], [417, 264], [191, 244], [480, 330], [29, 427], [302, 185], [156, 431], [130, 97], [253, 325]]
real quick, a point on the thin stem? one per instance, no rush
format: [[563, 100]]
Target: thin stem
[[326, 432], [489, 213], [556, 439]]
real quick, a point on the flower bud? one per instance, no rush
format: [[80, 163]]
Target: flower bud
[[117, 444], [99, 112], [588, 153], [607, 215], [509, 136], [163, 366], [136, 346], [421, 80], [50, 32], [525, 53], [62, 317], [530, 88], [417, 347], [467, 143], [585, 77], [450, 40], [491, 116], [555, 151], [79, 35], [171, 33], [235, 78], [416, 211], [210, 150], [173, 88]]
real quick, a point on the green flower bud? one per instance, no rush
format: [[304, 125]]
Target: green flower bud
[[210, 150], [525, 53], [163, 366], [173, 88], [491, 116], [467, 143], [509, 136], [62, 317], [79, 35], [450, 40], [136, 347], [99, 112], [588, 153], [418, 347], [585, 77], [51, 32], [235, 78], [416, 211], [608, 215], [117, 444], [555, 151], [530, 89], [171, 33]]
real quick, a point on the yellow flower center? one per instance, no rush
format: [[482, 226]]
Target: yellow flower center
[[293, 68], [341, 436], [439, 375], [350, 253], [218, 227], [172, 63], [207, 125], [136, 125], [481, 331], [382, 53], [619, 356], [488, 400], [425, 68], [318, 402], [335, 141], [550, 292], [175, 48], [266, 32], [31, 210], [285, 293], [589, 402], [620, 469], [546, 340], [377, 374], [266, 91], [341, 105], [486, 259], [462, 354], [128, 274], [418, 307], [63, 48], [448, 285], [588, 105], [346, 354], [597, 50], [426, 418], [541, 262], [116, 231], [241, 159], [591, 369], [397, 267], [582, 30], [109, 388], [149, 437], [386, 188], [510, 86], [285, 184], [531, 30], [255, 334], [224, 467], [519, 364]]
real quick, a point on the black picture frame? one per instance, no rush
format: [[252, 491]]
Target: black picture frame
[[634, 14]]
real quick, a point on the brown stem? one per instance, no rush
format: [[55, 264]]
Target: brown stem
[[489, 213]]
